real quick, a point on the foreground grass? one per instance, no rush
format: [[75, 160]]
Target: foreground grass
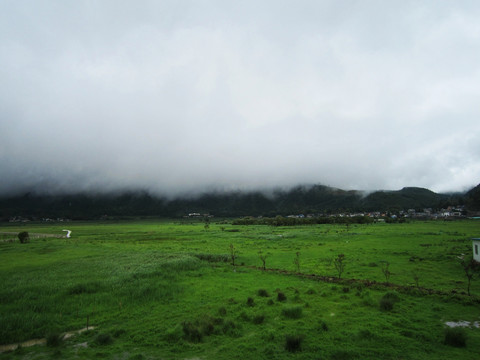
[[161, 290]]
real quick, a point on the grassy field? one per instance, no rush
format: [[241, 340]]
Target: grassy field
[[165, 290]]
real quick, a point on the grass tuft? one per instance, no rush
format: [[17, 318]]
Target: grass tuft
[[292, 312], [388, 301], [293, 343], [54, 339], [263, 293], [104, 339], [258, 319], [456, 337]]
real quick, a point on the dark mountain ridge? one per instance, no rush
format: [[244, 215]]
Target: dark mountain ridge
[[304, 199]]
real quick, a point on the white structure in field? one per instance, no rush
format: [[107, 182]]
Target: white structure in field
[[68, 233], [476, 249]]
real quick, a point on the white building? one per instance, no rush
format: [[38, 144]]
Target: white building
[[476, 249]]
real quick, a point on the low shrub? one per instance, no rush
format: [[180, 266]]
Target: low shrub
[[213, 257], [293, 343], [263, 293], [365, 334], [281, 296], [54, 339], [85, 288], [119, 332], [292, 312], [250, 302], [456, 337], [104, 339], [258, 319], [270, 302], [23, 237], [196, 330], [244, 316], [323, 326], [386, 304], [311, 291], [230, 328], [222, 311], [191, 332], [342, 355], [388, 301]]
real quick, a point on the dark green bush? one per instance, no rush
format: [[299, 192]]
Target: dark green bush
[[250, 302], [119, 332], [54, 339], [222, 311], [213, 257], [388, 301], [244, 316], [323, 326], [191, 332], [86, 288], [281, 296], [23, 237], [456, 337], [292, 312], [104, 339], [263, 293], [386, 304], [342, 355], [258, 319], [230, 328], [293, 343]]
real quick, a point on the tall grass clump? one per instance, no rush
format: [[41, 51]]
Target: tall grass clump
[[456, 337], [388, 301], [54, 339], [104, 339], [292, 312], [281, 296], [23, 237], [263, 293], [293, 343], [258, 319], [191, 332]]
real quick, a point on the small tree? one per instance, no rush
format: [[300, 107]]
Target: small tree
[[24, 237], [470, 267], [416, 279], [385, 270], [263, 257], [206, 220], [339, 264], [233, 253], [296, 261]]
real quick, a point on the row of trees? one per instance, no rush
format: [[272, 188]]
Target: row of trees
[[470, 266], [292, 221]]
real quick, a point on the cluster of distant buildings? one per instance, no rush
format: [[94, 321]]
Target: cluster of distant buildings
[[451, 212], [17, 219]]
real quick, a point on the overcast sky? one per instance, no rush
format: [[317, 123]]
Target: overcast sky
[[175, 96]]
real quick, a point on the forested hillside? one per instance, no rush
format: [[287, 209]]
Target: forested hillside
[[317, 199]]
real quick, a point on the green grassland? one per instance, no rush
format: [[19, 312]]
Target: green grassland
[[168, 290]]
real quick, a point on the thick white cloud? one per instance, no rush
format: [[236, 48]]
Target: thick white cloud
[[177, 96]]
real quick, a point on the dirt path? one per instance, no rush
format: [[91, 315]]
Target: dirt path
[[13, 236], [32, 342]]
